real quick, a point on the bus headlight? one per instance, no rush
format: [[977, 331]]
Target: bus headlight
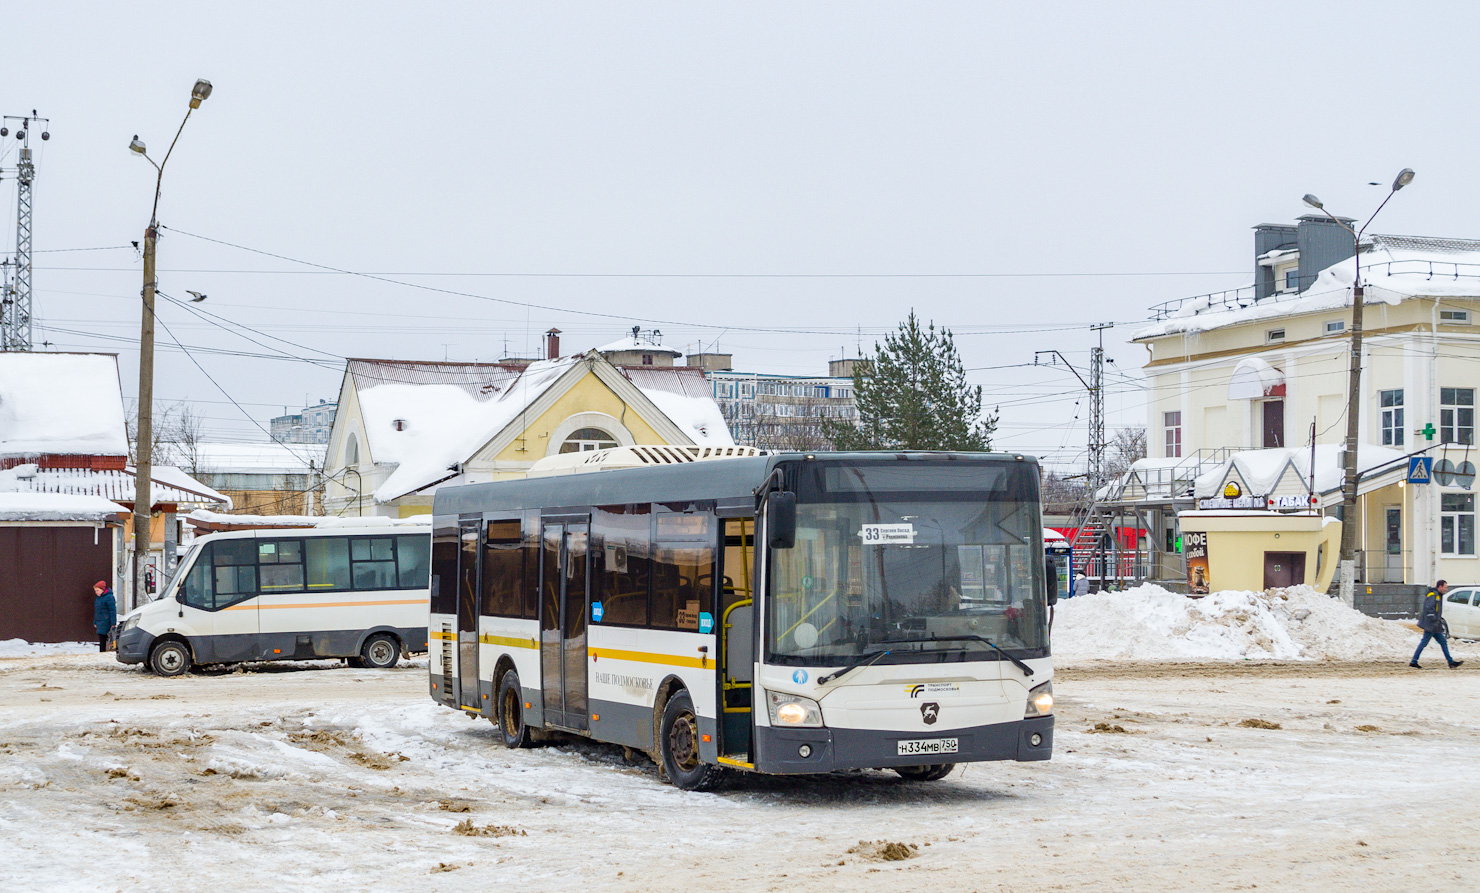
[[129, 623], [794, 711], [1040, 700]]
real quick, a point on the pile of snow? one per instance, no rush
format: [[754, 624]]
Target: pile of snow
[[22, 648], [1150, 623]]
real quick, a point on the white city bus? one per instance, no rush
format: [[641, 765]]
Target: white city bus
[[254, 595], [895, 615]]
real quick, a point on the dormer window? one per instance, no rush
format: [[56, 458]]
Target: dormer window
[[1274, 336], [1292, 279]]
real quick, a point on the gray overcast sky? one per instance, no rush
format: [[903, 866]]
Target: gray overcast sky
[[1116, 142]]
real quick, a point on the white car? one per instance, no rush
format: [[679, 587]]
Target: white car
[[1462, 611]]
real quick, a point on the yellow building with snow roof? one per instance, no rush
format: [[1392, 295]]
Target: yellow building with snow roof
[[405, 428]]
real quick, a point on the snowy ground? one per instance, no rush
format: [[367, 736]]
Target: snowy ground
[[325, 778]]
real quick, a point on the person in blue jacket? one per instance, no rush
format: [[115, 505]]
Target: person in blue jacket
[[105, 612], [1431, 621]]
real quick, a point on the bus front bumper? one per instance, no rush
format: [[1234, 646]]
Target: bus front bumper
[[779, 750], [133, 646]]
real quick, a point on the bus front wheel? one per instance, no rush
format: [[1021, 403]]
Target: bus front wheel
[[381, 652], [511, 725], [679, 743], [170, 658], [925, 773]]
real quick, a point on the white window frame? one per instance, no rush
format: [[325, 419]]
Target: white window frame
[[1335, 325], [1274, 336], [1451, 526], [1390, 416], [1451, 415], [1171, 424], [1454, 317]]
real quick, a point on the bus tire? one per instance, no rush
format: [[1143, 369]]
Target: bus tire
[[512, 730], [170, 658], [380, 652], [679, 745], [925, 773]]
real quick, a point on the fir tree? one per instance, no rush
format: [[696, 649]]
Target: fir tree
[[913, 395]]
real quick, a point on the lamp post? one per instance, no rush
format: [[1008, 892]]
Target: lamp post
[[144, 459], [1347, 566]]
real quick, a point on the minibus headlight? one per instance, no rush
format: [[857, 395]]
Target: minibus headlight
[[1040, 700], [794, 711], [130, 622]]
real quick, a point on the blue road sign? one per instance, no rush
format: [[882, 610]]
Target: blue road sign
[[1420, 469]]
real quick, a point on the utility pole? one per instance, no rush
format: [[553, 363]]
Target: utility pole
[[144, 458], [15, 305], [1348, 563]]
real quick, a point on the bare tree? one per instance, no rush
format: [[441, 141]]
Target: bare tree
[[176, 437], [1063, 495], [1127, 446]]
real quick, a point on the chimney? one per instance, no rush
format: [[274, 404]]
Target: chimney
[[552, 344]]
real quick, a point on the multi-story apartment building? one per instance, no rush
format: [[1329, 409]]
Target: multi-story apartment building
[[780, 412], [1262, 367], [311, 425]]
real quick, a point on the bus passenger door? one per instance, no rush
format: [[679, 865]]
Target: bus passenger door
[[563, 598], [467, 614]]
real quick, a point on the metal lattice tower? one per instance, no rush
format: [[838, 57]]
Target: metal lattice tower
[[1097, 410], [15, 303]]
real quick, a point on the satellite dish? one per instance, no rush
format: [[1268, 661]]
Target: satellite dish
[[1465, 476], [1444, 472]]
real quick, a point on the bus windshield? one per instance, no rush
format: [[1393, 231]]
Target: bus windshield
[[901, 555]]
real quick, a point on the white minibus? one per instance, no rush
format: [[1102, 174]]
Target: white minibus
[[255, 595]]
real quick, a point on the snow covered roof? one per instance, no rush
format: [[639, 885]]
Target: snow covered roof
[[1265, 472], [643, 344], [167, 484], [31, 506], [216, 520], [1394, 269], [258, 458], [428, 419], [61, 403]]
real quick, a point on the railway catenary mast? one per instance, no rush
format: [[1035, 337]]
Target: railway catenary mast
[[15, 304]]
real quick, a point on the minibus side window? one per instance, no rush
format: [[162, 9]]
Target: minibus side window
[[234, 566], [412, 553], [197, 586], [328, 563], [373, 562], [280, 563]]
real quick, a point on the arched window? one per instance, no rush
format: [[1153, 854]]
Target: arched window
[[587, 439], [352, 451]]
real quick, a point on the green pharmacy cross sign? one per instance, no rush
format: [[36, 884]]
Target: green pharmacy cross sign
[[1428, 430]]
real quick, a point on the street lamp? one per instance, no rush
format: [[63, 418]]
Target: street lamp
[[1354, 392], [144, 460]]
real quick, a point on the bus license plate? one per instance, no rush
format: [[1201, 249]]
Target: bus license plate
[[927, 745]]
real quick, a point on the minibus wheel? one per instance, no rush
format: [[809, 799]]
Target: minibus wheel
[[381, 652], [511, 725], [925, 773], [679, 744], [170, 658]]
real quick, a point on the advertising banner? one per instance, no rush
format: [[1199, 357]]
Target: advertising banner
[[1199, 577]]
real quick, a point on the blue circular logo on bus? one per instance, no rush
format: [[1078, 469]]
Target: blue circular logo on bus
[[799, 677]]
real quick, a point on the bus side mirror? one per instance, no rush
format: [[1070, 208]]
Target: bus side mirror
[[1051, 572], [781, 519]]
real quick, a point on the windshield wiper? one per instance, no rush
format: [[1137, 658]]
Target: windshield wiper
[[1027, 670], [873, 658]]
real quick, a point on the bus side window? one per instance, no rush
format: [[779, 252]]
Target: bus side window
[[621, 538], [235, 571], [444, 572], [503, 569], [683, 570], [411, 559], [197, 588], [328, 564], [280, 563]]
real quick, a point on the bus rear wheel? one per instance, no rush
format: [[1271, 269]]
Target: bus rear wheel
[[679, 744], [511, 725], [170, 658], [925, 773], [381, 652]]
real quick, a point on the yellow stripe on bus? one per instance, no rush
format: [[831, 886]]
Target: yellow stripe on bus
[[507, 641], [268, 607], [648, 658]]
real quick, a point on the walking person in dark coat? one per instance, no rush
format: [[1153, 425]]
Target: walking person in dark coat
[[1431, 621], [105, 612]]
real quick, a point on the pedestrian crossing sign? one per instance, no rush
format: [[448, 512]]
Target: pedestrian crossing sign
[[1420, 469]]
